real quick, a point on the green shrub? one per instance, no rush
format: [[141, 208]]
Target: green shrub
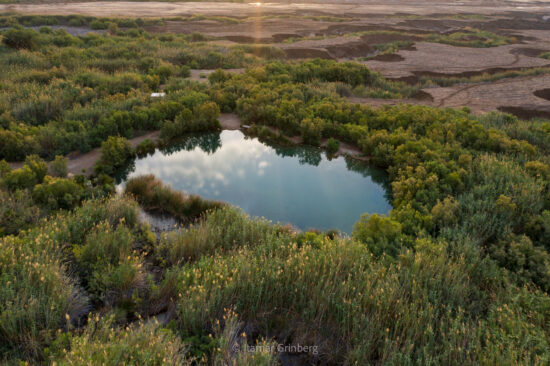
[[37, 297], [221, 230], [99, 24], [58, 193], [107, 265], [163, 72], [115, 152], [145, 147], [20, 178], [154, 196], [332, 146], [204, 117], [218, 76], [380, 234], [17, 212], [5, 168], [33, 172], [311, 131], [21, 38], [58, 167], [105, 343]]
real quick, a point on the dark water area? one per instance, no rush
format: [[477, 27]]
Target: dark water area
[[295, 185]]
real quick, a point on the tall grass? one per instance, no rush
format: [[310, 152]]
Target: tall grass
[[430, 306], [220, 231], [153, 195], [105, 343]]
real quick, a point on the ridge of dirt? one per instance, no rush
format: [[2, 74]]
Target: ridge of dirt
[[527, 111]]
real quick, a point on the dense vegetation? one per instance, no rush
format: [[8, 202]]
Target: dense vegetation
[[458, 273]]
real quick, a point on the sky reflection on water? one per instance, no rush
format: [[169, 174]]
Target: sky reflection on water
[[297, 185]]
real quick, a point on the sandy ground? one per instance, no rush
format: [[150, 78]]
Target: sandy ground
[[515, 95], [230, 121], [160, 9], [452, 60]]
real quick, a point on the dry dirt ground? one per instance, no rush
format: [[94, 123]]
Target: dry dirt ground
[[283, 25], [151, 9]]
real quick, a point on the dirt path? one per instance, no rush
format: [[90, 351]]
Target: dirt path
[[83, 163], [230, 121]]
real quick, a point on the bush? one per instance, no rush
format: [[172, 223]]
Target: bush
[[58, 193], [58, 167], [218, 76], [115, 152], [311, 131], [5, 168], [203, 118], [154, 196], [21, 38], [99, 24], [107, 265], [37, 297], [33, 172], [219, 231], [145, 147], [38, 166], [332, 146], [17, 212], [380, 234], [103, 342], [20, 178]]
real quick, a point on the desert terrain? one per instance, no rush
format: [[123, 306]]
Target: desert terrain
[[357, 31]]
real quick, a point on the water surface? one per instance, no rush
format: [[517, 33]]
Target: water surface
[[297, 185]]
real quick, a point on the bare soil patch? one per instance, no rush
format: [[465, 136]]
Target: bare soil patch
[[301, 53], [543, 93], [379, 38], [83, 163], [529, 52], [350, 50], [230, 121], [445, 60], [388, 57], [80, 163], [527, 111], [512, 95]]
